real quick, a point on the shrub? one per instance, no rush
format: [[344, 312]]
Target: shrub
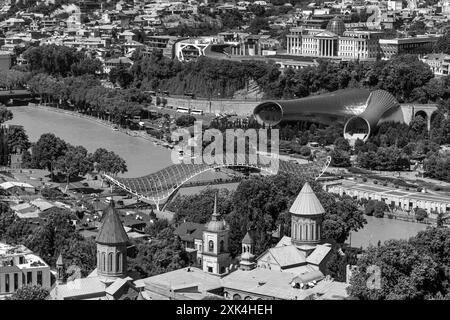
[[375, 181], [420, 214], [364, 179]]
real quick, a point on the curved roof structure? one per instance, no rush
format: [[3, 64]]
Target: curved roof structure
[[360, 109], [158, 186], [306, 203]]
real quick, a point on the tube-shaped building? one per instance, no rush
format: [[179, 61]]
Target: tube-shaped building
[[359, 109]]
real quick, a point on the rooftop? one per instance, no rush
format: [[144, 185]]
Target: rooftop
[[307, 203], [112, 231]]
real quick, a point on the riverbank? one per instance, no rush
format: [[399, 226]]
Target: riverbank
[[112, 126], [142, 156]]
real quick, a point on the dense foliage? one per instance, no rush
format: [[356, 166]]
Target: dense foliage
[[414, 269]]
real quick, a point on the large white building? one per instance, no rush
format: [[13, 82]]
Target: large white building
[[334, 42], [20, 267]]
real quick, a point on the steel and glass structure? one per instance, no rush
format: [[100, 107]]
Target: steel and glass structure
[[158, 186], [359, 109]]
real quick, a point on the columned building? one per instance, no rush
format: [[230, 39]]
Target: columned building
[[334, 42]]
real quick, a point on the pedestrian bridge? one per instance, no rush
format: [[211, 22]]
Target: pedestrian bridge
[[159, 186]]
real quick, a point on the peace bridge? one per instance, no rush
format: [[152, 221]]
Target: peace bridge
[[159, 186]]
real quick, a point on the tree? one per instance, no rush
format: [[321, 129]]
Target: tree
[[54, 236], [342, 144], [156, 227], [165, 253], [340, 158], [121, 75], [74, 162], [340, 218], [405, 273], [420, 214], [5, 114], [186, 120], [87, 66], [108, 162], [30, 292], [443, 44], [376, 208], [47, 150], [199, 207], [17, 139]]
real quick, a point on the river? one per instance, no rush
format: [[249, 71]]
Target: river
[[142, 156], [382, 229]]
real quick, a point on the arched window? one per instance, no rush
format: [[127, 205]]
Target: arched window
[[103, 261], [237, 297], [110, 261], [248, 298], [118, 262], [222, 246], [211, 246]]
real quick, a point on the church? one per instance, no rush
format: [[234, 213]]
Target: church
[[109, 281], [294, 269]]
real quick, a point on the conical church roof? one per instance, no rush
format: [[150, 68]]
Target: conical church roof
[[306, 203], [247, 239], [112, 231]]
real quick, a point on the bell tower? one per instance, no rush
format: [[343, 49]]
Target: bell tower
[[215, 255], [60, 270]]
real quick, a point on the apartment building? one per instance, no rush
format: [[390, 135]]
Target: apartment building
[[20, 267]]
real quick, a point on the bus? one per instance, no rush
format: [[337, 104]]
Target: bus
[[182, 110], [197, 112]]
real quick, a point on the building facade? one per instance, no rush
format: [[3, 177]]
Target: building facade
[[20, 267], [334, 42]]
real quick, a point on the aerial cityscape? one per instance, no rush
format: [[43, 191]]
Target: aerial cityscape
[[224, 150]]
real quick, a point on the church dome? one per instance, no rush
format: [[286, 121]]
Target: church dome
[[217, 225], [336, 25]]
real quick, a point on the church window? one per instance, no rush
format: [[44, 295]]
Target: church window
[[222, 246], [118, 262], [104, 261], [211, 246], [237, 297], [110, 261]]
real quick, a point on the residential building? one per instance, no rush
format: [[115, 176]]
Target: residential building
[[439, 63], [20, 267]]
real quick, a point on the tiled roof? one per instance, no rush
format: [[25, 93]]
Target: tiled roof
[[318, 254], [288, 255], [112, 231], [188, 231], [307, 203]]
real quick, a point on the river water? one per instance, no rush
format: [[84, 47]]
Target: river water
[[143, 157], [382, 229]]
